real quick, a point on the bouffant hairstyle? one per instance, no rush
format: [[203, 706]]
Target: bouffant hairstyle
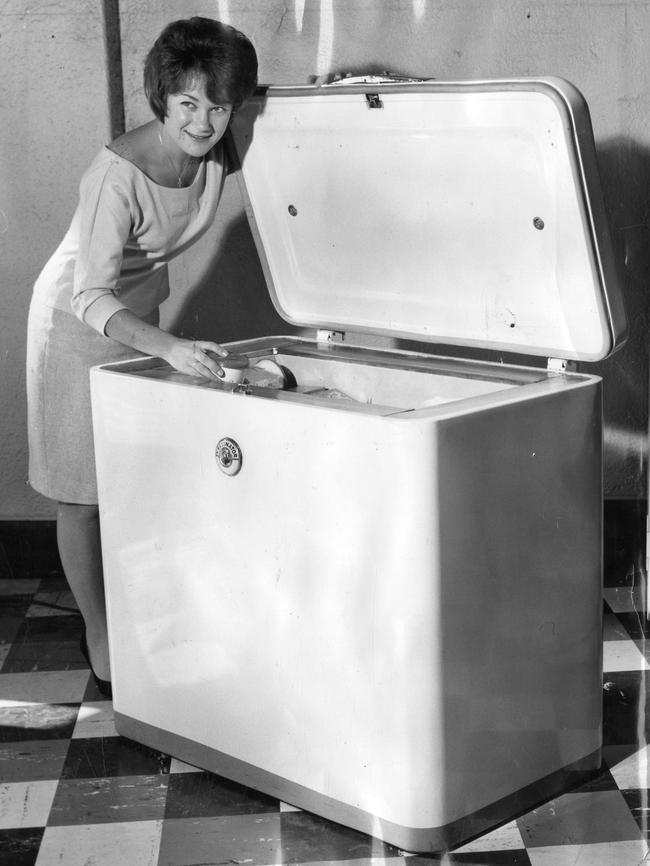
[[194, 47]]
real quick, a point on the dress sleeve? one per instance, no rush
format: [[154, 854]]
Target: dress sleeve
[[105, 221]]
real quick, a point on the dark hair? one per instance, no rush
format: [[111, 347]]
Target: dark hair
[[203, 47]]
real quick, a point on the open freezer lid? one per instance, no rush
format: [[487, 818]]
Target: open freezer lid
[[463, 213]]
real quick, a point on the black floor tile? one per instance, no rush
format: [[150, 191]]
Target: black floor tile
[[636, 624], [624, 540], [28, 549], [638, 802], [16, 605], [625, 707], [63, 627], [20, 847], [306, 838], [474, 858], [100, 757], [32, 760], [109, 800], [193, 795]]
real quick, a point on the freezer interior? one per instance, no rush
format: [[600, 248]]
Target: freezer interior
[[378, 382]]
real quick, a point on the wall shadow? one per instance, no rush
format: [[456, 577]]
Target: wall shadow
[[231, 300], [624, 167]]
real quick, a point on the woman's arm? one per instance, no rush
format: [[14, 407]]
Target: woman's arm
[[186, 356]]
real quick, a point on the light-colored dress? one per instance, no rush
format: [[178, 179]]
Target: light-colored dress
[[114, 256]]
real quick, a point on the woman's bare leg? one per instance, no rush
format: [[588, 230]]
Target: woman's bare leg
[[81, 556]]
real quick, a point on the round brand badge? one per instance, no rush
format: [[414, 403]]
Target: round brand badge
[[228, 456]]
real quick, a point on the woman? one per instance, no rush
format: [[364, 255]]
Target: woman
[[145, 198]]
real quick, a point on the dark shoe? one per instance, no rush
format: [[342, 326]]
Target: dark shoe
[[103, 686]]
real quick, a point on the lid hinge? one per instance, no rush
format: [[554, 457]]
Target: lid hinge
[[561, 365], [323, 336]]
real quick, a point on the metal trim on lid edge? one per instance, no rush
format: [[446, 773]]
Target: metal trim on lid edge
[[603, 252], [584, 162]]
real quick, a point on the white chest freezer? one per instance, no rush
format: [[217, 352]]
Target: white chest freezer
[[376, 594]]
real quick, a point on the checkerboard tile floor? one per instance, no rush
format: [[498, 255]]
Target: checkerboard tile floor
[[74, 793]]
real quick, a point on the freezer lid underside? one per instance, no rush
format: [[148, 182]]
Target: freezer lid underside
[[457, 213]]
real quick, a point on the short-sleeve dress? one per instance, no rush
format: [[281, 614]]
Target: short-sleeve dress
[[114, 256]]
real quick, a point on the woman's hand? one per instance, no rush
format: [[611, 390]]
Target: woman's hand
[[193, 357], [197, 358]]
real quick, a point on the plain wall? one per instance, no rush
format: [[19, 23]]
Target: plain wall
[[59, 65]]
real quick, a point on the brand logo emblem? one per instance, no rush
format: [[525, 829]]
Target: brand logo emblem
[[228, 456]]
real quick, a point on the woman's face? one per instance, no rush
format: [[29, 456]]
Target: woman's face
[[193, 122]]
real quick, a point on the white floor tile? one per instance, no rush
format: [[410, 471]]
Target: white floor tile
[[26, 804], [629, 771], [622, 655], [177, 766], [135, 843], [504, 838], [623, 599], [601, 854], [44, 687], [95, 720]]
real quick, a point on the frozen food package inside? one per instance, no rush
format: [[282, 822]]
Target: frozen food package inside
[[338, 381]]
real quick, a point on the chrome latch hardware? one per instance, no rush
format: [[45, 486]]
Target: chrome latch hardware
[[373, 100], [324, 336], [561, 365]]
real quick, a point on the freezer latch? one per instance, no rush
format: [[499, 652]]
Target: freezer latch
[[373, 100], [561, 365], [324, 336]]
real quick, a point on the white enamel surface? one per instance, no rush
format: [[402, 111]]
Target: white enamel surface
[[418, 218], [352, 612]]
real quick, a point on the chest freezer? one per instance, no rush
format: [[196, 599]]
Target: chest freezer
[[375, 592]]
